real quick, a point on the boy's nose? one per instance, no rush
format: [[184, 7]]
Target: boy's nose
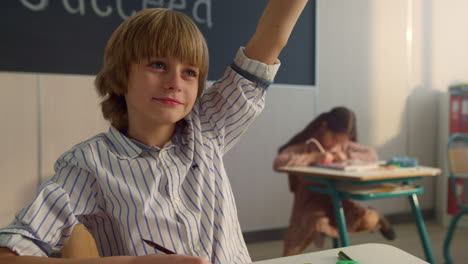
[[174, 81]]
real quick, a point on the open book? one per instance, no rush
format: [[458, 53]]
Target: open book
[[351, 165]]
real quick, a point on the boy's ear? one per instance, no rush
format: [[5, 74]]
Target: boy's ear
[[121, 84], [119, 91]]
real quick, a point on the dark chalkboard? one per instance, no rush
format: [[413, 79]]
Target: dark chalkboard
[[69, 36]]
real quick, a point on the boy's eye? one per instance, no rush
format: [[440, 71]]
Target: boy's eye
[[191, 73], [157, 65]]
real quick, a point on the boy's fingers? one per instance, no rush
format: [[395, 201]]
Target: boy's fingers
[[174, 259]]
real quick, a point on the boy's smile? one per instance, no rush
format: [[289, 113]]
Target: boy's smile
[[168, 101], [160, 92]]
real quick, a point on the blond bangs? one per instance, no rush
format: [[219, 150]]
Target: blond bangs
[[150, 33], [168, 34]]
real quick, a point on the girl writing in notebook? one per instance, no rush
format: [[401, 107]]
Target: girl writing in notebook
[[329, 138]]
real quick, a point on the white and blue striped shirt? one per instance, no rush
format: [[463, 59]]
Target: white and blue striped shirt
[[177, 196]]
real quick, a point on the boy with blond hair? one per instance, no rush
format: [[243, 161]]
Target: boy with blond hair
[[158, 173]]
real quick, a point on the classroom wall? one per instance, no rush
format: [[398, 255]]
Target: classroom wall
[[42, 116], [371, 58], [366, 60], [395, 59], [18, 141], [262, 195], [449, 65]]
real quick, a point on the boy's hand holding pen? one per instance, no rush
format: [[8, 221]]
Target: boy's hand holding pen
[[158, 247], [176, 259]]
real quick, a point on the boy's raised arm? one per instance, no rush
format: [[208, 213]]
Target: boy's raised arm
[[273, 30]]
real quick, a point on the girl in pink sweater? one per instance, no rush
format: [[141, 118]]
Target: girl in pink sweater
[[330, 137]]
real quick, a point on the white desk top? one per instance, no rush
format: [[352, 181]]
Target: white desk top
[[365, 253], [368, 175]]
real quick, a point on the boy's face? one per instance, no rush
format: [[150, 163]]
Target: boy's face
[[160, 91]]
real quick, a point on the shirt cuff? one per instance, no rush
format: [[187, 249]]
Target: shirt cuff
[[257, 68], [21, 246]]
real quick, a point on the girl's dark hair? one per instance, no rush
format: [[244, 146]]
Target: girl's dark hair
[[339, 120]]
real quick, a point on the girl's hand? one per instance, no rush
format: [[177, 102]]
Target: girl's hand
[[339, 156], [301, 159], [326, 158]]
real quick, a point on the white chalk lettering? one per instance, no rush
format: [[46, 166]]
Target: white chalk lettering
[[104, 10], [174, 5], [195, 13], [42, 5], [152, 3], [171, 4], [98, 11], [121, 12], [73, 10]]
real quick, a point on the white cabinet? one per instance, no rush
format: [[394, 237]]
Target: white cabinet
[[41, 116], [18, 141], [70, 113]]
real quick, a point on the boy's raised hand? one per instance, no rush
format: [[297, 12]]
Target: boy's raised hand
[[273, 30]]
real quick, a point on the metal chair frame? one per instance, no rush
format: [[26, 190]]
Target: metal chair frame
[[455, 172]]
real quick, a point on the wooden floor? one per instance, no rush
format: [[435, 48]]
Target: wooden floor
[[407, 239]]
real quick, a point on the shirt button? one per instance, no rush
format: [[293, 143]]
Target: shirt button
[[197, 248]]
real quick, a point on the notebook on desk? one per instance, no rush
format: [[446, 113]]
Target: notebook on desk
[[351, 165]]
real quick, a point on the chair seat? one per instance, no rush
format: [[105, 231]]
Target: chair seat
[[81, 244], [384, 190]]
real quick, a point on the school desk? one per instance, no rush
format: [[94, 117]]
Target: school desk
[[372, 184], [364, 253]]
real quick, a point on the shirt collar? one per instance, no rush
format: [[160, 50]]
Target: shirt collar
[[183, 129], [127, 148], [123, 146]]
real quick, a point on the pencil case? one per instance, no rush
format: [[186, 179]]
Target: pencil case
[[403, 162]]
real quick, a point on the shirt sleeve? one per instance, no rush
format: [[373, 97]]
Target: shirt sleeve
[[229, 106], [356, 151], [295, 155], [43, 228]]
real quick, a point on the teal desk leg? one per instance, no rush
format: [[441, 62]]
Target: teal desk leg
[[339, 215], [336, 243], [422, 228], [448, 237]]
